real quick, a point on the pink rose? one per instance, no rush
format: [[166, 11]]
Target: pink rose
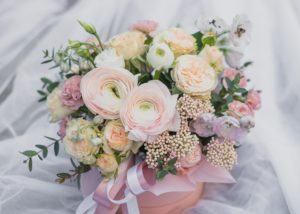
[[149, 110], [192, 158], [231, 73], [253, 100], [239, 109], [145, 26], [104, 90], [70, 94]]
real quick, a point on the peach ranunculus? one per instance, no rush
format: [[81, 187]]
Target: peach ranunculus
[[231, 73], [179, 41], [192, 158], [129, 44], [116, 137], [104, 89], [145, 26], [107, 164], [239, 109], [193, 75], [149, 110], [253, 100], [214, 57]]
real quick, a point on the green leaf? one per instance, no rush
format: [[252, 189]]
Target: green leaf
[[209, 39], [172, 162], [40, 157], [30, 164], [29, 153], [42, 93], [88, 27], [44, 149], [198, 36], [229, 99], [148, 41], [78, 180], [229, 83], [160, 174], [46, 61], [52, 86], [237, 79], [173, 171], [73, 163], [56, 148], [50, 138], [46, 80], [42, 99], [74, 43], [63, 175], [157, 75]]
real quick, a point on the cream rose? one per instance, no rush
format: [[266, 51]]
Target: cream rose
[[107, 163], [78, 140], [193, 75], [179, 41], [214, 57], [192, 158], [104, 89], [149, 110], [116, 137], [55, 106], [129, 44]]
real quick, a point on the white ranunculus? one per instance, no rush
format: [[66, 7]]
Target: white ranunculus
[[54, 104], [109, 58], [211, 24], [241, 28], [160, 56]]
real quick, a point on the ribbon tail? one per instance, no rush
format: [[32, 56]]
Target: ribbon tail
[[87, 206], [131, 206]]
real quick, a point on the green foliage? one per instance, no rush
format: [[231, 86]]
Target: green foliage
[[198, 36], [209, 39], [30, 154], [164, 169]]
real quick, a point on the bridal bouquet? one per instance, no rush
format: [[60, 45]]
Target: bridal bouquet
[[151, 109]]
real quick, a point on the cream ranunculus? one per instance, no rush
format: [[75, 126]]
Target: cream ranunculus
[[78, 140], [104, 89], [160, 56], [107, 163], [214, 57], [193, 75], [54, 104], [129, 44], [116, 137], [149, 110], [179, 41], [109, 58]]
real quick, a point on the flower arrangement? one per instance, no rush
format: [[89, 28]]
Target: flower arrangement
[[163, 100]]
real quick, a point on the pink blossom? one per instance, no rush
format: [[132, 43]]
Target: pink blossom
[[62, 127], [231, 73], [253, 100], [70, 94], [229, 127], [203, 125], [192, 158], [239, 109], [145, 26]]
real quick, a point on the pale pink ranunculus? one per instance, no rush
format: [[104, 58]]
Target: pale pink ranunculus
[[253, 100], [239, 109], [104, 90], [231, 73], [192, 158], [71, 95], [149, 110], [145, 26]]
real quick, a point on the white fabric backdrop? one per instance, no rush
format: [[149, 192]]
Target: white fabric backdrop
[[268, 176]]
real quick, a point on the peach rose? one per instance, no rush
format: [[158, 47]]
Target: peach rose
[[253, 100], [192, 158], [149, 110], [230, 73], [107, 163], [239, 109], [104, 89], [116, 137], [179, 41], [129, 44], [213, 56], [193, 75]]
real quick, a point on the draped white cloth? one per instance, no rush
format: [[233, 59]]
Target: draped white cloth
[[268, 176]]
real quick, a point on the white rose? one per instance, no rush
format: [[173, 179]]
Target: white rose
[[160, 56], [109, 58], [129, 44], [78, 140], [55, 106], [193, 75]]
